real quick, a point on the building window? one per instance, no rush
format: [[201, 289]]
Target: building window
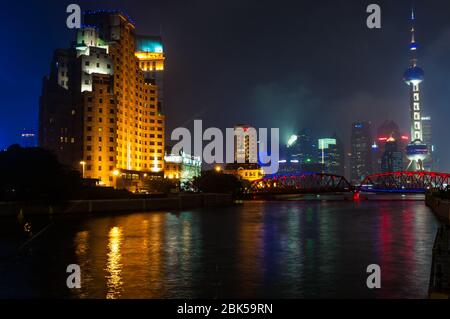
[[417, 125]]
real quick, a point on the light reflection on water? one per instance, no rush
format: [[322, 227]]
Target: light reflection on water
[[261, 249], [114, 265]]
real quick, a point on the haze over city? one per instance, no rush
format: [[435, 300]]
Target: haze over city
[[293, 65], [351, 201]]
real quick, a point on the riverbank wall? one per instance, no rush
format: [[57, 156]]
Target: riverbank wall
[[180, 202], [441, 207], [440, 270]]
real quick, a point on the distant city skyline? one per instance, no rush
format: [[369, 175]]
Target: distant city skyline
[[307, 88]]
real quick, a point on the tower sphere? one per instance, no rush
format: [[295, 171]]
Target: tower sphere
[[414, 75]]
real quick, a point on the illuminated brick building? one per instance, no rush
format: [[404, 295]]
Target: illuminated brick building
[[97, 108], [150, 52]]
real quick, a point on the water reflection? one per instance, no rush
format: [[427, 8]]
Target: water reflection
[[114, 265], [260, 249]]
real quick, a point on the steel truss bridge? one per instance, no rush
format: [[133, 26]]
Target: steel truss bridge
[[314, 183], [301, 183], [405, 182]]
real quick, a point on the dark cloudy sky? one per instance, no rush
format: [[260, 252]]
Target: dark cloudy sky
[[286, 64]]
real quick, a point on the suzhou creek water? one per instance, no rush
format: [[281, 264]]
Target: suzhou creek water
[[279, 249]]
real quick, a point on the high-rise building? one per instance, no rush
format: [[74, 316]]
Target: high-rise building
[[331, 155], [245, 144], [416, 150], [301, 148], [361, 154], [97, 111], [392, 157], [388, 130], [428, 140], [150, 52]]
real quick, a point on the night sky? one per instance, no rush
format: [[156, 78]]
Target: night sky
[[286, 64]]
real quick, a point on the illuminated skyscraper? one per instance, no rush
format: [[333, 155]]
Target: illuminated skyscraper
[[301, 148], [416, 150], [388, 130], [361, 158], [150, 52], [331, 155], [428, 140], [98, 111], [245, 144], [392, 157]]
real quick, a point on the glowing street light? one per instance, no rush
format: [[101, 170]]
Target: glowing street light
[[83, 164], [218, 169]]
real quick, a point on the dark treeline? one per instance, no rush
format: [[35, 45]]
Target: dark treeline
[[35, 175]]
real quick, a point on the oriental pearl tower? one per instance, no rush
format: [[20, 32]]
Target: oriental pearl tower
[[416, 151]]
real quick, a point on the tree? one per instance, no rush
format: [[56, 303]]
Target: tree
[[217, 182], [161, 185], [35, 175]]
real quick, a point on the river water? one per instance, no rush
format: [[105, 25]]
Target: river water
[[279, 249]]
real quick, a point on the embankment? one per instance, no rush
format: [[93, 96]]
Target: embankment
[[188, 201]]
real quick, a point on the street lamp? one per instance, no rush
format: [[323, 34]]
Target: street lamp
[[218, 168], [83, 164]]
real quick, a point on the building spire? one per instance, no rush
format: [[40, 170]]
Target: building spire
[[413, 44]]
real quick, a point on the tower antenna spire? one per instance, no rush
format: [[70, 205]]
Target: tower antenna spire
[[413, 44], [416, 151]]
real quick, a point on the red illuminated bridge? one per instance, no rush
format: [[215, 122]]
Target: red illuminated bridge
[[405, 182], [314, 183]]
